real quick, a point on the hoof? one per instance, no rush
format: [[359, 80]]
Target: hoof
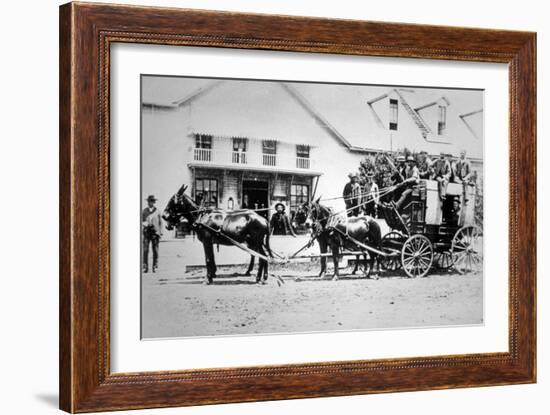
[[207, 281], [374, 277], [335, 278], [322, 275]]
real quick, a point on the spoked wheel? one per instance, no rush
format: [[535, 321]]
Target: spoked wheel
[[467, 249], [392, 241], [417, 256], [443, 260]]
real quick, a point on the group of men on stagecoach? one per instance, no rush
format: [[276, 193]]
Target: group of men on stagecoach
[[366, 199]]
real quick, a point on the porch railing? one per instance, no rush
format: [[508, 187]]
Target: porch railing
[[269, 159], [210, 156], [303, 163], [203, 154]]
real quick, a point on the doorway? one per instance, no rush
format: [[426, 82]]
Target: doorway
[[256, 196]]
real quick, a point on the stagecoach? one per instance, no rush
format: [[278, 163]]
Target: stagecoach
[[430, 233], [427, 233]]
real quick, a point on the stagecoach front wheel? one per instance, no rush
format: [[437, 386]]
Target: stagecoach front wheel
[[467, 249], [417, 256], [391, 243]]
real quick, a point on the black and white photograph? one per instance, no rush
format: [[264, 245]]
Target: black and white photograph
[[279, 207]]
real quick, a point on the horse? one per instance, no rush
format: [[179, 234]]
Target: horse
[[330, 230], [216, 226]]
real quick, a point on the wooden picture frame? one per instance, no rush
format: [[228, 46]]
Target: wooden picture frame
[[86, 33]]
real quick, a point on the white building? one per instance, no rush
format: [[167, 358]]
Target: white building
[[254, 143]]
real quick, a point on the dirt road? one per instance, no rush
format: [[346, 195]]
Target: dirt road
[[177, 304]]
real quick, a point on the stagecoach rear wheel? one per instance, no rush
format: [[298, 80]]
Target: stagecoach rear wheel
[[417, 256], [467, 249], [392, 242]]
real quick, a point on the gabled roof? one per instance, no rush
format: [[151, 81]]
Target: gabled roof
[[279, 110]]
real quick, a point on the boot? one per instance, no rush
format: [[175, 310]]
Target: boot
[[145, 269]]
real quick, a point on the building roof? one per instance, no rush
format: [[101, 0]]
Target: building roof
[[284, 111], [266, 111]]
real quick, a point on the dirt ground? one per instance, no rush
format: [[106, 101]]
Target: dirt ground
[[176, 303]]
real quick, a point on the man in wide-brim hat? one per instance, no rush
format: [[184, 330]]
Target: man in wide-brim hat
[[371, 196], [399, 174], [280, 223], [411, 171], [352, 194], [463, 173], [152, 232], [442, 173]]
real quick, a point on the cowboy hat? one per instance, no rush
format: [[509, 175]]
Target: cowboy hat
[[400, 158], [411, 158], [151, 198], [280, 204]]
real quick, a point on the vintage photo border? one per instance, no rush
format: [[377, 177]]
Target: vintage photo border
[[86, 33]]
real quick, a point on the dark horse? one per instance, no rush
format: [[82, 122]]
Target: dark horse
[[215, 226], [331, 231]]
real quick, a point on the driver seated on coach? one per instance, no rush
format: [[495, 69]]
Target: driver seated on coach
[[403, 190]]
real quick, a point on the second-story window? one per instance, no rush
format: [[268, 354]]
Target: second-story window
[[269, 152], [302, 156], [239, 150], [203, 147], [441, 120], [394, 108], [203, 141]]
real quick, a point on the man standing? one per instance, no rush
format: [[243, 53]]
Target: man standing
[[463, 173], [442, 173], [280, 223], [372, 196], [352, 195], [151, 222]]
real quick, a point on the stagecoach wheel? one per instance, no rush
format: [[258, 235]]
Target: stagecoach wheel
[[417, 256], [467, 249], [392, 240], [443, 260]]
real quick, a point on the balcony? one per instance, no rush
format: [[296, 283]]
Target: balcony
[[248, 159]]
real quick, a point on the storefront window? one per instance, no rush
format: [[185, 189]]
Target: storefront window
[[206, 192], [299, 194]]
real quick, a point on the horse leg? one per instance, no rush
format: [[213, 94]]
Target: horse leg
[[210, 264], [323, 249], [357, 259], [258, 248], [266, 264], [260, 270], [365, 271], [373, 260], [251, 266], [335, 260]]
